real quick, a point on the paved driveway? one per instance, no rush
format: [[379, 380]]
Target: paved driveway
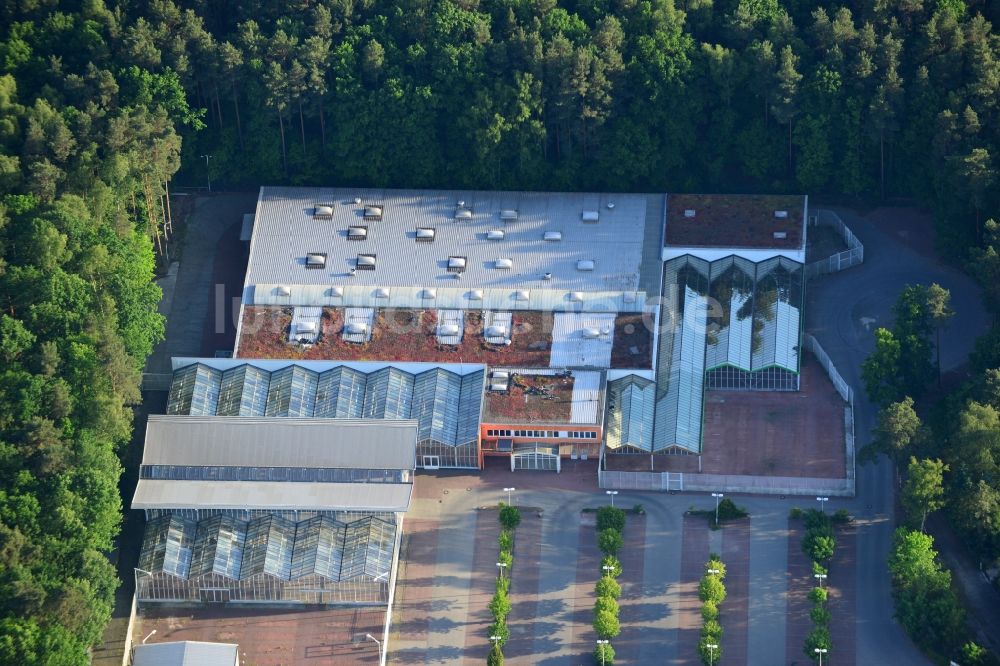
[[842, 313]]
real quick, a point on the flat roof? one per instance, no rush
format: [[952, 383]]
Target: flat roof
[[237, 441], [546, 396], [285, 231], [274, 495], [185, 653], [735, 221]]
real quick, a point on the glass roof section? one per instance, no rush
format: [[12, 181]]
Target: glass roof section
[[243, 391], [631, 402], [319, 548], [167, 546], [194, 391], [268, 547], [218, 548]]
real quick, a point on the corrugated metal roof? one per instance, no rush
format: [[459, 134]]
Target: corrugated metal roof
[[285, 231], [273, 495], [185, 653], [280, 442]]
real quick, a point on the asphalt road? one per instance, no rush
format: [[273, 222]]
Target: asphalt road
[[843, 312]]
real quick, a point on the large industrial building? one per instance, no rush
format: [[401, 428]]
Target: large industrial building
[[591, 319]]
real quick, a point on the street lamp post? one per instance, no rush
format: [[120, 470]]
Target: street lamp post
[[496, 639], [715, 572], [599, 643], [612, 493], [502, 565], [822, 503], [717, 496], [378, 643], [607, 569], [712, 647], [209, 175], [820, 577], [820, 652], [509, 491], [148, 636]]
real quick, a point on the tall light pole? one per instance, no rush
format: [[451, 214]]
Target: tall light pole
[[820, 577], [509, 491], [207, 173], [712, 647], [714, 572], [607, 569], [717, 496], [822, 503], [496, 639], [502, 566], [612, 493], [378, 643], [820, 652], [148, 636], [600, 643]]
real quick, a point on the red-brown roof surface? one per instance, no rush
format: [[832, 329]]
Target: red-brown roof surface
[[734, 220]]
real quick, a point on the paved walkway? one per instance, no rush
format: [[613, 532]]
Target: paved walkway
[[694, 554], [733, 613], [523, 622], [633, 603], [843, 584], [800, 581], [768, 560], [482, 586]]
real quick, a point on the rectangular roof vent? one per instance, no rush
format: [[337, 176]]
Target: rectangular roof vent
[[689, 212], [475, 295], [781, 214], [357, 233], [463, 214], [505, 264], [425, 234], [508, 215], [494, 234], [356, 328], [381, 292], [283, 290], [306, 327], [316, 260], [576, 296], [373, 212], [553, 236], [590, 333], [457, 264], [585, 265], [628, 297], [780, 235], [323, 212], [495, 331], [337, 292], [522, 295], [366, 262], [428, 293], [448, 329], [590, 216]]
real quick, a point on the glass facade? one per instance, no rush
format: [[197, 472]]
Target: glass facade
[[445, 405], [631, 403], [725, 324], [320, 559]]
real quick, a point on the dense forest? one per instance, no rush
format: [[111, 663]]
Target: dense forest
[[101, 102]]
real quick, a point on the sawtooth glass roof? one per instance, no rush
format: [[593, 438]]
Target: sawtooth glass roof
[[445, 405], [730, 312], [631, 402], [167, 545], [238, 550]]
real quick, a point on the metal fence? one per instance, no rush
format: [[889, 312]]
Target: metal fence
[[852, 256], [843, 388]]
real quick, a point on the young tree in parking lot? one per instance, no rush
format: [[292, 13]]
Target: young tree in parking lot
[[881, 372], [923, 491], [610, 541], [606, 624]]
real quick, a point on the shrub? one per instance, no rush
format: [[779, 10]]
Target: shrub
[[606, 624], [606, 604], [819, 615], [495, 657], [709, 611], [503, 584], [841, 517], [717, 565], [818, 595], [506, 559], [729, 511], [638, 509], [819, 637], [818, 546], [500, 606], [611, 561], [711, 630], [609, 517], [499, 628], [506, 540], [817, 520], [604, 654], [795, 513], [818, 569], [610, 541], [608, 587], [709, 657], [711, 589], [510, 516]]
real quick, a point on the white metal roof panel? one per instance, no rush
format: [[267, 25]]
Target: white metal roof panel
[[185, 653], [275, 495], [222, 441]]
